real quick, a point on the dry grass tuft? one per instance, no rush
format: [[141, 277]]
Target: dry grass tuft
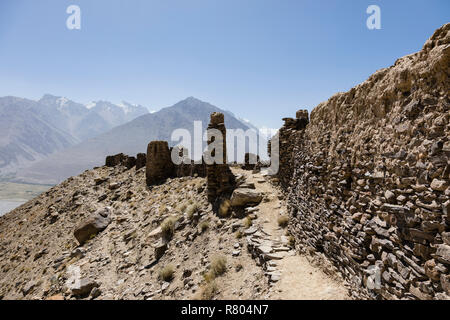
[[224, 209], [167, 273], [168, 228], [283, 221], [247, 222], [204, 226], [209, 291], [218, 265], [191, 209]]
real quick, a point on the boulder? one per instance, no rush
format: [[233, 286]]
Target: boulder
[[96, 223], [245, 197]]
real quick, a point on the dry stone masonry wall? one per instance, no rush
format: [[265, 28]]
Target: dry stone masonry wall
[[368, 178]]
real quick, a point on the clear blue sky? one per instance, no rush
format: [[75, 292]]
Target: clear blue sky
[[261, 59]]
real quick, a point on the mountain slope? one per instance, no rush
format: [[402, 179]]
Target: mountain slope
[[130, 138], [26, 136], [88, 121], [33, 130]]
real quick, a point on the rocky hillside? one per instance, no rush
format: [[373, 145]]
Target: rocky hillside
[[149, 229], [39, 249], [368, 177]]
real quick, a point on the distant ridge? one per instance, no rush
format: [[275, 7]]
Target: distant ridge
[[130, 138]]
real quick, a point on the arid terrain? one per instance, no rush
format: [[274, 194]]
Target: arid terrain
[[359, 209], [38, 248]]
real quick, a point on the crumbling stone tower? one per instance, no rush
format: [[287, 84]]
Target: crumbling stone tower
[[220, 178], [159, 162]]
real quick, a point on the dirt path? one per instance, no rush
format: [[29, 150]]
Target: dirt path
[[298, 279]]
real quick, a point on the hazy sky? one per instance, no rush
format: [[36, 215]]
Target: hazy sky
[[260, 59]]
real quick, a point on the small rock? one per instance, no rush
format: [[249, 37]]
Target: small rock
[[96, 223], [83, 287], [244, 197], [438, 185]]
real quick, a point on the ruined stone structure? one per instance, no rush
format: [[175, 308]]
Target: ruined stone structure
[[159, 162], [115, 160], [286, 146], [120, 159], [368, 178], [251, 162], [141, 160], [220, 178]]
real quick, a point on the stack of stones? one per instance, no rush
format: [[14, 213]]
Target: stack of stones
[[221, 180], [370, 183]]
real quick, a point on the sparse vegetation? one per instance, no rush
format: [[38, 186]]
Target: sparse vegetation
[[181, 207], [283, 221], [208, 291], [224, 209], [162, 209], [191, 209], [204, 226], [167, 273], [247, 222], [168, 228], [218, 265], [291, 241], [239, 234]]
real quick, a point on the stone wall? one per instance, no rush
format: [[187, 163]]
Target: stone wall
[[369, 185], [120, 159], [160, 166], [159, 162], [290, 127]]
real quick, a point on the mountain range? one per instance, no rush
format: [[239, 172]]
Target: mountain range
[[32, 130], [59, 138]]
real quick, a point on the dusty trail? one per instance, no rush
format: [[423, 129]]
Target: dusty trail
[[299, 279]]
